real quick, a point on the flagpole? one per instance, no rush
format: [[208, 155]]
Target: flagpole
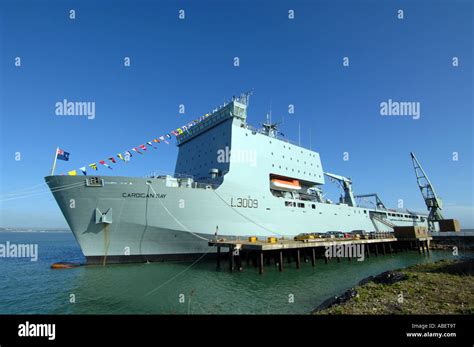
[[54, 163]]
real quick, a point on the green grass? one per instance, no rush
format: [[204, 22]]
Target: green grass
[[444, 287]]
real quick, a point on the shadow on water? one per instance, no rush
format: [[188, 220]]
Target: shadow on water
[[177, 288]]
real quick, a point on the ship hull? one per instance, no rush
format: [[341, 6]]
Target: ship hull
[[138, 219]]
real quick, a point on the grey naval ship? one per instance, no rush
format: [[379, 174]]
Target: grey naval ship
[[231, 181]]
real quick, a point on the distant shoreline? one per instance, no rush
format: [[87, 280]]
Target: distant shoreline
[[8, 230]]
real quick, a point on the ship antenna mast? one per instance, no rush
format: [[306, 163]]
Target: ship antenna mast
[[269, 128], [432, 201], [244, 98], [299, 133], [269, 115]]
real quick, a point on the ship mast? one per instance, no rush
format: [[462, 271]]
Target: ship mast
[[269, 128], [244, 98]]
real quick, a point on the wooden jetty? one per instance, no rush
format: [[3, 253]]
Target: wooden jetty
[[260, 252]]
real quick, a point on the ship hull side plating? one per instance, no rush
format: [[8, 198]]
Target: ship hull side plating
[[151, 221]]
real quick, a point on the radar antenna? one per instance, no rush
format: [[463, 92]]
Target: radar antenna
[[269, 128]]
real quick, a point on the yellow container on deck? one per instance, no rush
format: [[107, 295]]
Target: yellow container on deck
[[253, 239], [272, 240]]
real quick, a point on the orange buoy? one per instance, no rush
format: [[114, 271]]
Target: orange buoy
[[64, 265]]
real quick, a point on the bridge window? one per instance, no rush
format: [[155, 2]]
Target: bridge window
[[300, 205]]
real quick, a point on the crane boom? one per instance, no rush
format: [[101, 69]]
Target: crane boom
[[432, 201], [378, 202], [346, 184]]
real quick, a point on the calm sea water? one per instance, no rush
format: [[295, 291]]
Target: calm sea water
[[32, 287]]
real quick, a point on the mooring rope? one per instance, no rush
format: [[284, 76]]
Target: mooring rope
[[174, 218], [40, 192], [25, 189], [177, 275]]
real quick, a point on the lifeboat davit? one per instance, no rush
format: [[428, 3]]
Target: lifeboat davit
[[285, 184]]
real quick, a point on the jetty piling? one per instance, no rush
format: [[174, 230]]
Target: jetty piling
[[260, 253]]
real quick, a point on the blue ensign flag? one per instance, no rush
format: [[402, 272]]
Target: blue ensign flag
[[62, 155]]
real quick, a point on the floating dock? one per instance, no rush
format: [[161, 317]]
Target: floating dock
[[261, 252]]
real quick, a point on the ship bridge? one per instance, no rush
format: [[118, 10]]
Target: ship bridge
[[204, 149]]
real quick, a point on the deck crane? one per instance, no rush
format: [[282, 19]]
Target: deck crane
[[378, 203], [432, 201], [346, 184]]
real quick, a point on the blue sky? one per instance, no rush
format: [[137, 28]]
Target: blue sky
[[284, 61]]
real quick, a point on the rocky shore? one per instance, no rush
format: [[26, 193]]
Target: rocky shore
[[443, 287]]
